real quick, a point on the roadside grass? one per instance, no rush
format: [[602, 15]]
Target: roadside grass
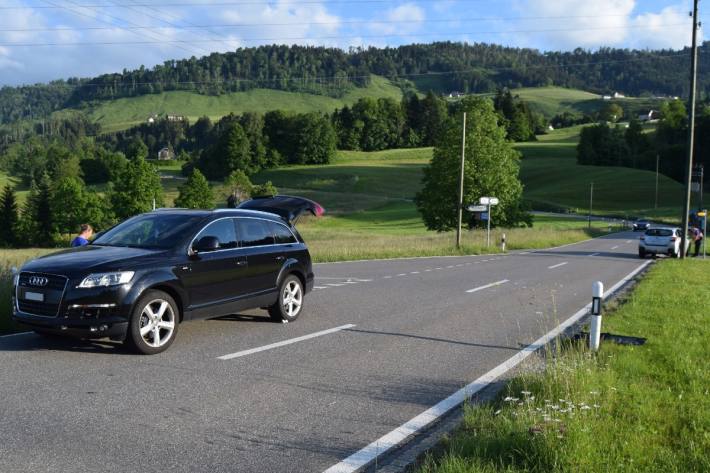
[[626, 408]]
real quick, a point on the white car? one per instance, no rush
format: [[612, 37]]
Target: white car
[[661, 241]]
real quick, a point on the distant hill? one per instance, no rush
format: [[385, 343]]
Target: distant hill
[[331, 72]]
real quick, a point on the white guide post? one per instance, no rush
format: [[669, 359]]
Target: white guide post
[[597, 296]]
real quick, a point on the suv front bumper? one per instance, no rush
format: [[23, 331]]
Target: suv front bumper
[[82, 313]]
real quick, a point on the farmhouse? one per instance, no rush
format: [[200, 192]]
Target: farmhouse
[[652, 115], [166, 154]]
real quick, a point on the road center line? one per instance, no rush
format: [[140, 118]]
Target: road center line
[[390, 440], [614, 247], [285, 342], [334, 285], [557, 265], [497, 283]]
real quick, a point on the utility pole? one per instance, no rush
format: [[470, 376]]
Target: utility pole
[[463, 156], [591, 200], [658, 158], [691, 128]]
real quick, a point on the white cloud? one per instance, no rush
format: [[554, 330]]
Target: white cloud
[[408, 15], [654, 30], [276, 22], [573, 23]]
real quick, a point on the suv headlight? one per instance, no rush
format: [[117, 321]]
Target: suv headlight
[[106, 279]]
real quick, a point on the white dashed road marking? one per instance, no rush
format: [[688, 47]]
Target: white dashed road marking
[[557, 265], [497, 283], [284, 343], [614, 247]]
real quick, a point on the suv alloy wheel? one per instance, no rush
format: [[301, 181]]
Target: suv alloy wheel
[[154, 323], [290, 302]]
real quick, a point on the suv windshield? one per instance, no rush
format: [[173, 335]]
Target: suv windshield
[[160, 231], [662, 232]]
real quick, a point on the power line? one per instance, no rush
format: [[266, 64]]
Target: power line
[[306, 38], [167, 22], [80, 13], [314, 23], [223, 4], [187, 23]]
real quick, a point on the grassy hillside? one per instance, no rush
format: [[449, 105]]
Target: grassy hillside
[[553, 100], [125, 112], [551, 175]]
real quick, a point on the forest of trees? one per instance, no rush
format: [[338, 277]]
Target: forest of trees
[[462, 67]]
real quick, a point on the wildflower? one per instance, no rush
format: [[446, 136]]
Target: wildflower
[[525, 393], [594, 393], [597, 406], [497, 412]]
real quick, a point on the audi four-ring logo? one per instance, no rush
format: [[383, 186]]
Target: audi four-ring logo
[[38, 281]]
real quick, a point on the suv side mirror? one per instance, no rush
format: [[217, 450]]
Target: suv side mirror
[[206, 243]]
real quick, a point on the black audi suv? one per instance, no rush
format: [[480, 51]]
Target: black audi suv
[[140, 279]]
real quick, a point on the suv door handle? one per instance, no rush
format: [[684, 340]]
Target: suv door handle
[[241, 262], [280, 258]]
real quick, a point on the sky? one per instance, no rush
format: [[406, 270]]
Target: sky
[[43, 40]]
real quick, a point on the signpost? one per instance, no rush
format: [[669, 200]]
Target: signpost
[[488, 202]]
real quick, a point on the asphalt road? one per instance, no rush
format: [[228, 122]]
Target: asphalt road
[[400, 336]]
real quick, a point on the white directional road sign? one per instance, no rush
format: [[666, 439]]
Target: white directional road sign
[[477, 208], [488, 200]]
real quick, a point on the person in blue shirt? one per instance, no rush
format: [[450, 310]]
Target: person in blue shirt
[[83, 238]]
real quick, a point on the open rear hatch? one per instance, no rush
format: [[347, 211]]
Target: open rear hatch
[[288, 207]]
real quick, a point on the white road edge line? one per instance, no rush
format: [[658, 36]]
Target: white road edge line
[[15, 334], [497, 283], [285, 342], [388, 441], [557, 265]]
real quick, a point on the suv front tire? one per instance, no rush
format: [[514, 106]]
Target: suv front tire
[[154, 323]]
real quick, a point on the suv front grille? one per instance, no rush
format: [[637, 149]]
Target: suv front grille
[[52, 291]]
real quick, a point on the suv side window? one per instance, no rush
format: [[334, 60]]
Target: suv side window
[[254, 232], [282, 235], [224, 230]]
